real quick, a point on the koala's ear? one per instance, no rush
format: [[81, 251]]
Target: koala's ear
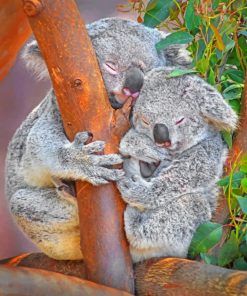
[[215, 109], [34, 61], [176, 54]]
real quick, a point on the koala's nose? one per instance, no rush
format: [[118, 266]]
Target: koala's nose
[[133, 82], [161, 135]]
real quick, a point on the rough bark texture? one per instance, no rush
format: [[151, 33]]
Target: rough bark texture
[[159, 277], [14, 32], [29, 282], [176, 277], [84, 105]]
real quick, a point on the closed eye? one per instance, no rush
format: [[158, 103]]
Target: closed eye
[[110, 68], [145, 121], [180, 121]]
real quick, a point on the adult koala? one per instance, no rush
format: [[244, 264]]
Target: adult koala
[[176, 156], [40, 154]]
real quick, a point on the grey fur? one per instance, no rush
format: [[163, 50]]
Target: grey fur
[[39, 153], [164, 211]]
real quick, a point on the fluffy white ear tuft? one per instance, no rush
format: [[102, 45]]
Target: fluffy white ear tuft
[[215, 109], [34, 61]]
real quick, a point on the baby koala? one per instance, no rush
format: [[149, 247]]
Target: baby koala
[[176, 155]]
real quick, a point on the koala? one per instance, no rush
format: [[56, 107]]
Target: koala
[[40, 156], [174, 156]]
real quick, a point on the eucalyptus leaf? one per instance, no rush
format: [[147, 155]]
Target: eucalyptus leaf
[[180, 72], [206, 236], [242, 201], [240, 264], [157, 12], [229, 251], [174, 38], [209, 259], [227, 136]]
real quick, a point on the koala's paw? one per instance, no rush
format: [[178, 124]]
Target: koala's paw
[[134, 189], [87, 160]]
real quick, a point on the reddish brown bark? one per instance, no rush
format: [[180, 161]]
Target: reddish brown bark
[[28, 281], [176, 277], [160, 277], [84, 105], [14, 31]]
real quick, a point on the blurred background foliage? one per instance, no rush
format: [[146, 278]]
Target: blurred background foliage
[[215, 32]]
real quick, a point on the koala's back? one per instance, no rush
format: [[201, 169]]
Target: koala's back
[[18, 148]]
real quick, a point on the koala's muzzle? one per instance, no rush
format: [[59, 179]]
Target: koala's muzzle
[[161, 135], [132, 85]]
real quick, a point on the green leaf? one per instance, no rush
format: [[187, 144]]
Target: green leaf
[[202, 65], [209, 259], [207, 235], [236, 180], [242, 201], [236, 105], [157, 12], [244, 184], [174, 38], [235, 75], [180, 72], [243, 249], [244, 33], [240, 264], [227, 136], [229, 251], [192, 21], [233, 86], [243, 168], [211, 77]]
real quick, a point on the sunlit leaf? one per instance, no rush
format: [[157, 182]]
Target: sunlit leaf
[[227, 136], [207, 235], [236, 180], [174, 38], [181, 72], [211, 77], [244, 184], [229, 251], [219, 42], [235, 75]]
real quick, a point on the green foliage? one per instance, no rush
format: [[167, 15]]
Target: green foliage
[[206, 236], [216, 32]]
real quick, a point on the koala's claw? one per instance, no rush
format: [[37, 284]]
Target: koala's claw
[[94, 147], [83, 138]]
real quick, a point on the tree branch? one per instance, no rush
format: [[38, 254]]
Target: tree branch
[[84, 105]]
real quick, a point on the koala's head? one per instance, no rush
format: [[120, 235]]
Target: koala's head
[[125, 51], [177, 113]]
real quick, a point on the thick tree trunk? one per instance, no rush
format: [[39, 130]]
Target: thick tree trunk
[[84, 105]]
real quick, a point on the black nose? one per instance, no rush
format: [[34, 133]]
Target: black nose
[[133, 80], [161, 133]]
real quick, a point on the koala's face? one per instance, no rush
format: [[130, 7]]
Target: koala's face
[[125, 51], [167, 111]]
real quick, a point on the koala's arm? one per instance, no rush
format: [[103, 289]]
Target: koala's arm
[[193, 171], [49, 153]]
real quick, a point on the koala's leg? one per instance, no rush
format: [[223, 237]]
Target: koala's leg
[[49, 221], [165, 232]]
